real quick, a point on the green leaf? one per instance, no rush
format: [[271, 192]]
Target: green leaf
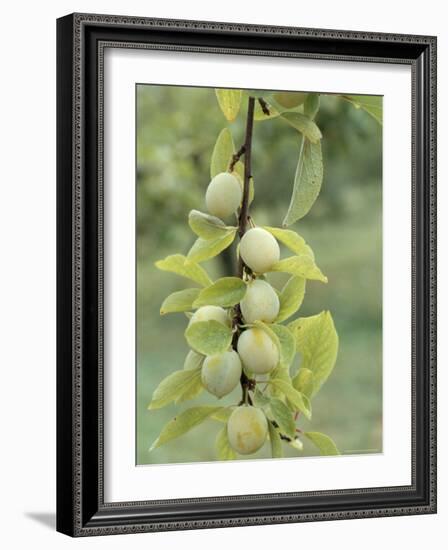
[[179, 264], [193, 390], [276, 442], [295, 397], [311, 105], [223, 414], [287, 343], [291, 297], [259, 115], [281, 372], [174, 386], [204, 249], [317, 341], [325, 444], [302, 265], [372, 104], [289, 238], [303, 381], [307, 181], [260, 400], [179, 301], [229, 101], [222, 153], [206, 226], [224, 292], [208, 337], [183, 423], [283, 416], [223, 449], [304, 125]]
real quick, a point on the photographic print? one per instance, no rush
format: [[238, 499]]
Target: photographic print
[[259, 274]]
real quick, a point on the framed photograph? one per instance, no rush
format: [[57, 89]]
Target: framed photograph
[[246, 274]]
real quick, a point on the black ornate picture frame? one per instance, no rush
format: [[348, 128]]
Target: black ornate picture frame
[[81, 509]]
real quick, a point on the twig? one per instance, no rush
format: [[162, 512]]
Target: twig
[[264, 106], [236, 157]]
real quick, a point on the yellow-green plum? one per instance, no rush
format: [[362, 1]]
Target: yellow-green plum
[[259, 250], [257, 351], [224, 194], [193, 360], [210, 313], [289, 100], [247, 429], [260, 303], [221, 373]]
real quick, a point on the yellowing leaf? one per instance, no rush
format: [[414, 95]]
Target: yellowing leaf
[[302, 265], [304, 125], [289, 238], [317, 341], [283, 416], [229, 101], [291, 297], [206, 226], [325, 444], [311, 105], [372, 104], [222, 153], [179, 301], [224, 292], [208, 337], [303, 381], [179, 264], [293, 396], [223, 449], [173, 386], [286, 342], [307, 181], [205, 249], [183, 423]]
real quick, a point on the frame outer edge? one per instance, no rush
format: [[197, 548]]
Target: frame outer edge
[[65, 495], [69, 453]]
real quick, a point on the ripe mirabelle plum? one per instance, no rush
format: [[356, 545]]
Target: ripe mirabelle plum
[[210, 313], [224, 194], [290, 99], [221, 372], [247, 429], [260, 303], [193, 360], [259, 250], [257, 351]]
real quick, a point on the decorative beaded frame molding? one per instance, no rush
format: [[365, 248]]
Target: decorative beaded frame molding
[[81, 39]]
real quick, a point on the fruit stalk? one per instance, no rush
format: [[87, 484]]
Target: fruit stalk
[[242, 226]]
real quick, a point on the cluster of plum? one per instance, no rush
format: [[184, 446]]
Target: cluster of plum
[[247, 426]]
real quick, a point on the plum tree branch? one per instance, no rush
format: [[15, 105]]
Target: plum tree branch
[[246, 148]]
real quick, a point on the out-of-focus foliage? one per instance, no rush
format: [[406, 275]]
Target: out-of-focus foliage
[[176, 131]]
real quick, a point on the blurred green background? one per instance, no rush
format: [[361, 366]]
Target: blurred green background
[[176, 131]]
